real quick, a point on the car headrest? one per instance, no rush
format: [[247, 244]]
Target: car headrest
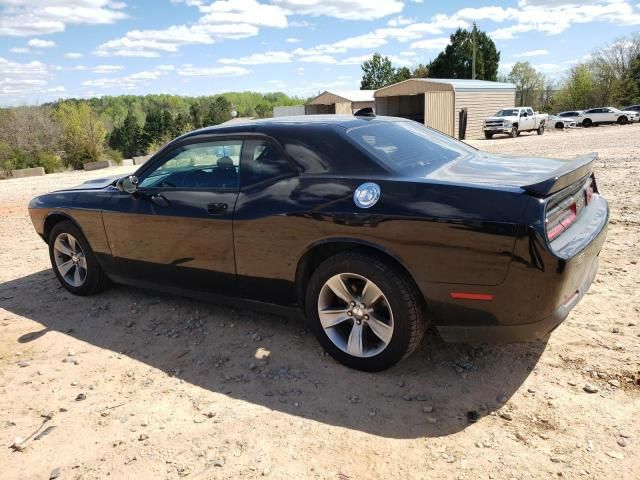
[[225, 162]]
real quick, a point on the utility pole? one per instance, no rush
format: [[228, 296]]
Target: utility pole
[[473, 57]]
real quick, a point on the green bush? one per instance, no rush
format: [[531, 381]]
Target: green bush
[[50, 162], [114, 155]]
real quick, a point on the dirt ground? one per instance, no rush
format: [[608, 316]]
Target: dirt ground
[[129, 384]]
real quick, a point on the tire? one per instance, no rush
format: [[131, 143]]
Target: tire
[[65, 238], [560, 125], [623, 120], [586, 123], [540, 130], [514, 132], [488, 135], [399, 306]]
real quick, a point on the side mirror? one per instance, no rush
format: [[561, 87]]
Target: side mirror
[[128, 184], [523, 114]]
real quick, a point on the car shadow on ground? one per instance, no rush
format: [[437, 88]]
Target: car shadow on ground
[[275, 362]]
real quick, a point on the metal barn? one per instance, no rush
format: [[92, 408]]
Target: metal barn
[[340, 102], [455, 107]]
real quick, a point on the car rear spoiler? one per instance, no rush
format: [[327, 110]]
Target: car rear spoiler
[[570, 173]]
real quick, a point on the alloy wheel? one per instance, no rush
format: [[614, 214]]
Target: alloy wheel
[[355, 315], [70, 259]]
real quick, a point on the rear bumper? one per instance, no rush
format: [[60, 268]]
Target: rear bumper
[[518, 333], [539, 291]]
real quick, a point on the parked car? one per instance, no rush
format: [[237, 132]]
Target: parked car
[[562, 122], [374, 227], [514, 121], [606, 115], [571, 115], [633, 116], [632, 108]]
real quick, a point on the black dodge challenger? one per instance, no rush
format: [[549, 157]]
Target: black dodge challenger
[[375, 227]]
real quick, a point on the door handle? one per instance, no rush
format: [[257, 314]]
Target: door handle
[[159, 200], [217, 208]]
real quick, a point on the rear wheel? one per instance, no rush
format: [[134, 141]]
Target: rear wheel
[[622, 120], [514, 132], [587, 123], [73, 261], [540, 130], [488, 135], [365, 312]]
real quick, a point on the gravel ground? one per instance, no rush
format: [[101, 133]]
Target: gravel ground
[[135, 385]]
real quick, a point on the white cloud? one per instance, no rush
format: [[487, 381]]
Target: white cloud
[[223, 19], [22, 79], [35, 17], [38, 43], [344, 9], [260, 59], [399, 21], [292, 40], [107, 68], [531, 53], [166, 68], [554, 17], [357, 60], [431, 43], [19, 50], [73, 55], [226, 71]]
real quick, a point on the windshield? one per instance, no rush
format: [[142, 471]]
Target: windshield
[[510, 112], [409, 148]]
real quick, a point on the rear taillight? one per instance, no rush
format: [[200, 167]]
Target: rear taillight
[[563, 213], [561, 217], [590, 190]]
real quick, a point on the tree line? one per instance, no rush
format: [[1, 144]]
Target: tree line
[[455, 61], [609, 76], [69, 133]]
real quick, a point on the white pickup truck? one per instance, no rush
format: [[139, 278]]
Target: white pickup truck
[[513, 121]]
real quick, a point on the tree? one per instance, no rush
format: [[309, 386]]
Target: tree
[[402, 73], [456, 59], [528, 81], [263, 110], [219, 111], [377, 73], [128, 138], [579, 85], [83, 134], [420, 71]]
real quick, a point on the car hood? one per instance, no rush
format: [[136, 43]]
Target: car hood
[[95, 184], [510, 171]]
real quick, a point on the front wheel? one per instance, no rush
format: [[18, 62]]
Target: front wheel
[[488, 135], [587, 123], [73, 261], [365, 312], [622, 120], [540, 130], [514, 132]]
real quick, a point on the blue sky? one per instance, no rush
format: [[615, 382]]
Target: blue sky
[[80, 48]]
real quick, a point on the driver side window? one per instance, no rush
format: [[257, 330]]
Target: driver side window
[[206, 165]]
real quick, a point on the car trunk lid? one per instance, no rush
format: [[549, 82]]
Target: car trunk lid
[[538, 176]]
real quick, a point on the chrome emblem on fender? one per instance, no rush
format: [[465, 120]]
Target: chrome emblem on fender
[[366, 195]]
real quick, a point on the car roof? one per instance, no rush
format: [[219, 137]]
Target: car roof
[[343, 121]]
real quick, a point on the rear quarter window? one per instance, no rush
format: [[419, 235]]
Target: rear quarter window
[[409, 148]]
